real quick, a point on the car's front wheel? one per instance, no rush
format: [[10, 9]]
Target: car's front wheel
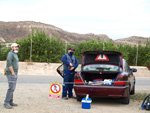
[[79, 98], [133, 90]]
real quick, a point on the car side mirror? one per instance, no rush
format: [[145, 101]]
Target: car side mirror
[[134, 70]]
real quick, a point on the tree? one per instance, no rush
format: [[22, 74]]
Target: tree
[[3, 51], [44, 49]]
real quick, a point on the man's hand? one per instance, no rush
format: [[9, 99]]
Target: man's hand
[[71, 64], [72, 68], [13, 73], [11, 70]]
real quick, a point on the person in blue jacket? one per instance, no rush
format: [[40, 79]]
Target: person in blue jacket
[[70, 63]]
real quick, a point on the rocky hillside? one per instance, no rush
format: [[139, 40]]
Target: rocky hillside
[[10, 31], [133, 40]]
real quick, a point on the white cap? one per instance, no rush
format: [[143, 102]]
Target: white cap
[[14, 45]]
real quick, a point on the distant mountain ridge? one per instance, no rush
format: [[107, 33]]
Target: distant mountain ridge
[[133, 40], [10, 31]]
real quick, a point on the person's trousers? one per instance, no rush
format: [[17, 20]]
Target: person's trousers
[[12, 80], [68, 82]]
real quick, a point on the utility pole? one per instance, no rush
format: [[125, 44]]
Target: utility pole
[[66, 47], [137, 55], [31, 51], [103, 46], [149, 41]]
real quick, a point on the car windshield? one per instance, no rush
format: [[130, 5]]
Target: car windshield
[[102, 67]]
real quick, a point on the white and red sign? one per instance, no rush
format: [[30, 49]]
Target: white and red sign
[[101, 57], [55, 90]]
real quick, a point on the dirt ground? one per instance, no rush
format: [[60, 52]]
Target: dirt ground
[[34, 98]]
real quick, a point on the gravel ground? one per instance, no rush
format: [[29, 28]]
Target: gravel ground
[[34, 98]]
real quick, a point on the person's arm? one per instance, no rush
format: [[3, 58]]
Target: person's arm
[[75, 65], [9, 63], [11, 70], [64, 60]]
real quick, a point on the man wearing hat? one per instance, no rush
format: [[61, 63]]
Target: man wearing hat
[[11, 73], [70, 63]]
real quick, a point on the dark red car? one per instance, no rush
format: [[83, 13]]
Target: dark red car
[[104, 74]]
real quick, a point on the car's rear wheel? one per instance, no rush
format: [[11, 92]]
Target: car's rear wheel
[[79, 98], [126, 100]]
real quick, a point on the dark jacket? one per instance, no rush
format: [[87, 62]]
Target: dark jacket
[[67, 59]]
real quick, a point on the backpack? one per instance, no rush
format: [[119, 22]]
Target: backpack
[[146, 103]]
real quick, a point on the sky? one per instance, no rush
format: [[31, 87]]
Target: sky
[[115, 18]]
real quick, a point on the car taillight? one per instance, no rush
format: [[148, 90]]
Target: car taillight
[[120, 80], [119, 83], [78, 79]]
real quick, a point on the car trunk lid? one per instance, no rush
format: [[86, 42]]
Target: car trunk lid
[[101, 57]]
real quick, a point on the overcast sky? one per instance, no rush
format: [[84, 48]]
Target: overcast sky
[[115, 18]]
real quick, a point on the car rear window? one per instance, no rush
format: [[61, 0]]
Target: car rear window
[[112, 58], [102, 67]]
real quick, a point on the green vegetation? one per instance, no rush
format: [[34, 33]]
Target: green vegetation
[[139, 96], [3, 52], [45, 49], [128, 52]]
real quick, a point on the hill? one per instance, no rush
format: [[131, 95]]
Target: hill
[[133, 40], [10, 31]]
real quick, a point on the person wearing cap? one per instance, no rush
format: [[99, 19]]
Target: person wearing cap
[[70, 63], [11, 73]]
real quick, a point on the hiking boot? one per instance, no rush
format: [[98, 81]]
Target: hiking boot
[[8, 106], [65, 98], [13, 104]]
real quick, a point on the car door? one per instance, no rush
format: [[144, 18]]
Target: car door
[[60, 69], [130, 75]]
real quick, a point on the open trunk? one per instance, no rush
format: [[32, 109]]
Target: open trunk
[[98, 78], [101, 67]]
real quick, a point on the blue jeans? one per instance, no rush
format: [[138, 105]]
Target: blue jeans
[[12, 80], [68, 82]]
